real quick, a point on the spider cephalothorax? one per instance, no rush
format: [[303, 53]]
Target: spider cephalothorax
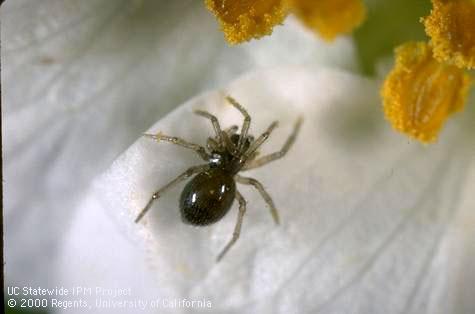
[[210, 194]]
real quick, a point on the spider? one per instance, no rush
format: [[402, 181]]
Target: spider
[[210, 194]]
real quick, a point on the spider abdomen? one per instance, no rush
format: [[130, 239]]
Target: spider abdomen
[[207, 197]]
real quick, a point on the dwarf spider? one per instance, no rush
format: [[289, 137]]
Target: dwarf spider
[[210, 194]]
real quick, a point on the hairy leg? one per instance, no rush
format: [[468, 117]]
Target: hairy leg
[[260, 188], [188, 173], [246, 123], [214, 121], [180, 142], [279, 154], [237, 228], [259, 141]]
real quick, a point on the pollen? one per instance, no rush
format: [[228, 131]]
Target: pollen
[[330, 18], [243, 20], [420, 93], [451, 26]]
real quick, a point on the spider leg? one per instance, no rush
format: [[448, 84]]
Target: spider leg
[[260, 188], [245, 124], [212, 145], [258, 142], [279, 154], [188, 173], [229, 144], [180, 142], [214, 121], [237, 228], [231, 130]]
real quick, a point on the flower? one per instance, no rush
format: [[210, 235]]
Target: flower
[[370, 223], [425, 86], [420, 93], [368, 220], [244, 20], [330, 19], [451, 26], [82, 85]]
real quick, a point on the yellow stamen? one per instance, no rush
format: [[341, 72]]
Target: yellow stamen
[[242, 20], [330, 18], [451, 26], [420, 93]]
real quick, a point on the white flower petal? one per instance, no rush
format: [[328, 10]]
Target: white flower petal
[[82, 79], [366, 215]]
